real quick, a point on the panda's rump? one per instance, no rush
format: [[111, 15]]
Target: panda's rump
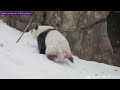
[[57, 45]]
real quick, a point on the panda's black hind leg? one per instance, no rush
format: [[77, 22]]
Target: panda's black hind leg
[[71, 59], [51, 57]]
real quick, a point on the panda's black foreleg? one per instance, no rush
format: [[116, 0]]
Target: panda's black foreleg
[[42, 51]]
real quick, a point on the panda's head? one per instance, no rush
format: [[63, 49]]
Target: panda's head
[[40, 29]]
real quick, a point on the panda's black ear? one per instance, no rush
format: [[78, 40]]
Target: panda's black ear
[[36, 27]]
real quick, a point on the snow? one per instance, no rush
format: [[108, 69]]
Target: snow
[[22, 61]]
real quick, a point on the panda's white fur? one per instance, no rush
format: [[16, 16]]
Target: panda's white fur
[[57, 46]]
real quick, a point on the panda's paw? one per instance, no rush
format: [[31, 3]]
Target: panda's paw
[[71, 59], [52, 57]]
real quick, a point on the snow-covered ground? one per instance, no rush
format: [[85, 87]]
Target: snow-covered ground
[[22, 61]]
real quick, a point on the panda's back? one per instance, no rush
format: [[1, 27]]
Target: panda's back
[[57, 40]]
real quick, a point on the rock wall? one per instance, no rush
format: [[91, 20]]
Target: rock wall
[[21, 21]]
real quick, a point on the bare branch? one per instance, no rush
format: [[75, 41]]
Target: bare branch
[[26, 28]]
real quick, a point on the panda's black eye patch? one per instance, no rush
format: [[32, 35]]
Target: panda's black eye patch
[[36, 27]]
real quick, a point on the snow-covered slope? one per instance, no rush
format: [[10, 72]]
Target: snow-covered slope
[[22, 60]]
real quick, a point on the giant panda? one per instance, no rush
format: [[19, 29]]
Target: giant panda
[[52, 43]]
